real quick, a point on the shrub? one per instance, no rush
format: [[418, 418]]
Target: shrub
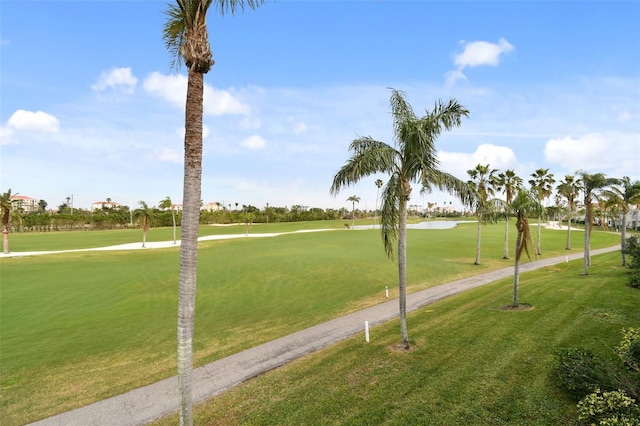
[[634, 280], [632, 249], [629, 348], [579, 372], [609, 408]]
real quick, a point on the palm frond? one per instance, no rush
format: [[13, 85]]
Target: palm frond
[[173, 33], [444, 116], [390, 213], [231, 6], [368, 157], [443, 181], [524, 204]]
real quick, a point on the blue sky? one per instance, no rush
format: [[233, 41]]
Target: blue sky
[[90, 105]]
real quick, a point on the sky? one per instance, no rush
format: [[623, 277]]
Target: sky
[[91, 107]]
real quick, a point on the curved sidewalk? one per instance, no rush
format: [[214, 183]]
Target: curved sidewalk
[[151, 402]]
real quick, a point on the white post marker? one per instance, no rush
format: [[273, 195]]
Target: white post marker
[[386, 290], [366, 331], [566, 259]]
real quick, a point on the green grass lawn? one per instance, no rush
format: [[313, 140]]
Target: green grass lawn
[[44, 241], [472, 362], [79, 327]]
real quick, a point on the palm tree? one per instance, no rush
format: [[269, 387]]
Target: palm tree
[[509, 183], [524, 204], [354, 199], [6, 205], [144, 215], [168, 204], [411, 159], [542, 186], [592, 186], [569, 188], [621, 197], [482, 181], [379, 184], [186, 38]]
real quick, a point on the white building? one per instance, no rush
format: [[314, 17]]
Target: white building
[[24, 203]]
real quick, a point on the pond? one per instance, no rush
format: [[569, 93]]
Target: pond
[[435, 224]]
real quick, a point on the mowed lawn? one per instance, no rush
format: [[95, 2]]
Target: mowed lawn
[[472, 362], [79, 327], [73, 240]]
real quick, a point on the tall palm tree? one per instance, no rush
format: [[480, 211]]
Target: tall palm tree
[[168, 204], [569, 188], [592, 185], [144, 215], [542, 186], [354, 199], [379, 184], [6, 205], [523, 205], [186, 37], [622, 196], [412, 158], [509, 183], [482, 180]]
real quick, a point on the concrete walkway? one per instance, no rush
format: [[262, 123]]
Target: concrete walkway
[[151, 402]]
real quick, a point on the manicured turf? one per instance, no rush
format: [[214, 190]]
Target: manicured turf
[[80, 327], [36, 241], [472, 362]]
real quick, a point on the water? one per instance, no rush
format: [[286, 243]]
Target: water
[[435, 224]]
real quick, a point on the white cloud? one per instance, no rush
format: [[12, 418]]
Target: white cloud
[[300, 128], [477, 53], [498, 157], [597, 152], [116, 78], [170, 155], [221, 102], [38, 121], [624, 116], [6, 135], [254, 142], [173, 88], [250, 123], [482, 53]]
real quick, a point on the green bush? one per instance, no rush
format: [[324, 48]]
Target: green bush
[[609, 408], [632, 249], [579, 372], [634, 280], [629, 348]]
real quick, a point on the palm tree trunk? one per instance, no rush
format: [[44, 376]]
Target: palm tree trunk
[[189, 245], [623, 237], [173, 218], [5, 239], [587, 230], [539, 245], [477, 262], [516, 278], [568, 246], [353, 213], [402, 272], [506, 238]]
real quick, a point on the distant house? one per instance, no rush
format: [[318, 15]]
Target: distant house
[[24, 203], [213, 206], [105, 205], [177, 207]]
